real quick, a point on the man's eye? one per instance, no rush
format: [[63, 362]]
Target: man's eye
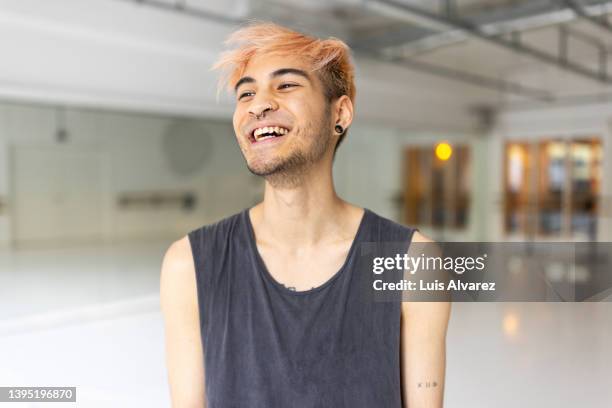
[[284, 86], [242, 95]]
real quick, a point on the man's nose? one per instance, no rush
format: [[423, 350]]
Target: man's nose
[[259, 109]]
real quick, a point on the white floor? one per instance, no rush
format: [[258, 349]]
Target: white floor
[[90, 318], [530, 355], [86, 317], [113, 362]]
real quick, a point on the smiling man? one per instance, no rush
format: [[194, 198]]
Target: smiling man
[[262, 309]]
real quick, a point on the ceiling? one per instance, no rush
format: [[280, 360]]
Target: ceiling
[[461, 56], [494, 45]]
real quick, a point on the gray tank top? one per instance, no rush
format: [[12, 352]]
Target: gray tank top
[[266, 346]]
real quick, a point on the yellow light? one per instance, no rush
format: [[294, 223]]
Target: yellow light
[[511, 324], [443, 151], [516, 153]]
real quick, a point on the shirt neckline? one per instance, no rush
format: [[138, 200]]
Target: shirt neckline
[[262, 268]]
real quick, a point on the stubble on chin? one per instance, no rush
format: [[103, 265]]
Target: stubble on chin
[[283, 173], [288, 172]]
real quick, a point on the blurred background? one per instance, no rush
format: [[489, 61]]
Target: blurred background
[[476, 120]]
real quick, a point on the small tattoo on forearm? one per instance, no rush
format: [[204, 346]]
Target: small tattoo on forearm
[[427, 384]]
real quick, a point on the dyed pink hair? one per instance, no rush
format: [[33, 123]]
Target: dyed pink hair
[[330, 58]]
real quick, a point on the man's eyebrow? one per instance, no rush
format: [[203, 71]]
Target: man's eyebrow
[[277, 73], [243, 80], [285, 71]]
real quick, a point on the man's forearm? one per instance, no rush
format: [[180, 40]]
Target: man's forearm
[[423, 353], [423, 373]]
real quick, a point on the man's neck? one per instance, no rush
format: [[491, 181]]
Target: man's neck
[[305, 214]]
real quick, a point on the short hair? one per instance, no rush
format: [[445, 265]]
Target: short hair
[[330, 58]]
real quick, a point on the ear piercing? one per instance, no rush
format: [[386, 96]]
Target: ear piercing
[[339, 129]]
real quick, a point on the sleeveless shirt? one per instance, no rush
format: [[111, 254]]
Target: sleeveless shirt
[[266, 346]]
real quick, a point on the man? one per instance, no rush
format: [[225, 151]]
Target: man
[[261, 308]]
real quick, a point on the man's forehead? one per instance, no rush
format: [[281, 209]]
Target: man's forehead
[[265, 64], [264, 68]]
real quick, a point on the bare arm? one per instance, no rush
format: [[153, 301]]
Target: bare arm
[[423, 350], [179, 305]]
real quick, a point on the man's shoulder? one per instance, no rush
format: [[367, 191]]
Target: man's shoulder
[[183, 255], [177, 266], [222, 225], [398, 229], [177, 250], [213, 237]]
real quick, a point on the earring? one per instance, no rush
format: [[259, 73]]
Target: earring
[[339, 129]]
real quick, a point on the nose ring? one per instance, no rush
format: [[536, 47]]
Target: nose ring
[[268, 107]]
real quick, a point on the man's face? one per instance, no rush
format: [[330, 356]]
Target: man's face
[[281, 94]]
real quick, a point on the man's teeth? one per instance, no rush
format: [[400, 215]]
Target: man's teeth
[[265, 130]]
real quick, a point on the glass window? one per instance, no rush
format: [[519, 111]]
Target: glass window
[[437, 185], [556, 194]]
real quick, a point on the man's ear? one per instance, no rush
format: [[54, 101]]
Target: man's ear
[[343, 111]]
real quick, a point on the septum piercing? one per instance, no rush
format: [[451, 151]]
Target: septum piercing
[[268, 107]]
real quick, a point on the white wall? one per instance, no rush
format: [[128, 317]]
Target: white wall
[[137, 161], [366, 169], [4, 181]]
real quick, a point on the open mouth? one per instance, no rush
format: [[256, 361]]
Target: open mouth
[[264, 133]]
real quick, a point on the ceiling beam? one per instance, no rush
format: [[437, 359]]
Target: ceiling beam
[[499, 21], [579, 9], [469, 78], [181, 6], [535, 13], [417, 15]]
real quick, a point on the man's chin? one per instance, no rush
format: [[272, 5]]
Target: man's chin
[[264, 169], [279, 169]]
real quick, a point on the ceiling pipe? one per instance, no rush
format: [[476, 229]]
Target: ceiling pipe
[[432, 20], [182, 7], [469, 78], [582, 13]]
